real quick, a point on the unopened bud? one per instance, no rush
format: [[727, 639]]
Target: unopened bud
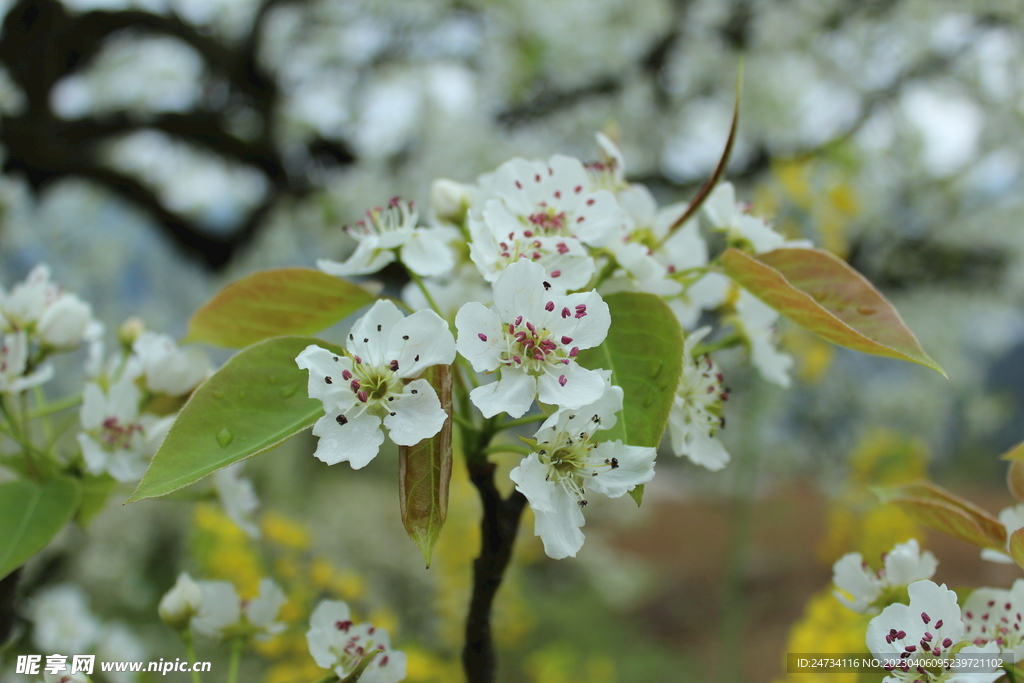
[[450, 200], [181, 603], [130, 330]]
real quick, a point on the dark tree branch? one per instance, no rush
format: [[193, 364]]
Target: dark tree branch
[[498, 530]]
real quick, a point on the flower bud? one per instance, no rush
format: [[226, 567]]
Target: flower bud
[[450, 199], [64, 322], [130, 330], [181, 603]]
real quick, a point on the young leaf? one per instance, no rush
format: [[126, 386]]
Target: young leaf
[[425, 469], [253, 403], [644, 351], [1016, 547], [31, 514], [272, 303], [938, 509], [1015, 480], [822, 294]]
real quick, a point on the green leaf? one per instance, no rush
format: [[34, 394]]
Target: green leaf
[[938, 509], [637, 494], [360, 669], [96, 492], [644, 351], [425, 469], [272, 303], [824, 295], [31, 514], [253, 403], [1015, 453]]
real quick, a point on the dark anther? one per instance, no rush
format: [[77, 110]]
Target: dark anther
[[328, 380], [342, 420]]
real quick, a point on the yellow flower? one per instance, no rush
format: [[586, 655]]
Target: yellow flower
[[284, 532]]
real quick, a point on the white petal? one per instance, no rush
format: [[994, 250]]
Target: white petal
[[720, 207], [581, 386], [357, 441], [531, 478], [475, 319], [366, 259], [370, 334], [427, 253], [905, 564], [635, 466], [220, 608], [519, 290], [94, 455], [706, 451], [560, 529], [858, 587], [513, 394], [262, 610], [587, 331], [326, 382], [420, 341], [322, 630], [417, 414]]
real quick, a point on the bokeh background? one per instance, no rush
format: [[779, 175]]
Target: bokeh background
[[155, 150]]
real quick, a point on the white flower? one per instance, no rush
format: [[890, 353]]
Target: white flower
[[62, 621], [859, 587], [994, 614], [14, 363], [358, 389], [930, 627], [696, 414], [237, 497], [181, 603], [261, 611], [65, 677], [1013, 519], [532, 335], [743, 229], [116, 438], [219, 608], [425, 251], [168, 369], [757, 322], [336, 643], [566, 462], [118, 642], [37, 306], [450, 292]]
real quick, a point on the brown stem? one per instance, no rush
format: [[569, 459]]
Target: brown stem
[[8, 586], [497, 536]]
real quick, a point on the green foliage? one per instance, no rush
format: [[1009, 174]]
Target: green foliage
[[644, 351], [253, 403], [272, 303], [425, 470], [822, 294], [96, 492], [31, 514]]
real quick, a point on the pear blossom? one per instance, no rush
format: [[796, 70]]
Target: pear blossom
[[757, 323], [118, 641], [181, 602], [554, 198], [567, 462], [219, 609], [237, 497], [14, 351], [337, 643], [59, 319], [367, 383], [860, 588], [696, 414], [1012, 518], [532, 335], [391, 229], [994, 614], [743, 229], [116, 438], [450, 200], [450, 291], [62, 621], [928, 628], [168, 369], [262, 610]]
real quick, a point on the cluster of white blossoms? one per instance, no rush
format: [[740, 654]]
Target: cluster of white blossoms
[[547, 240], [214, 609], [921, 624]]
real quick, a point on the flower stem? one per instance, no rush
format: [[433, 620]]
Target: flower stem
[[237, 645], [190, 650], [507, 448], [740, 517], [498, 529], [529, 419], [426, 293], [44, 408]]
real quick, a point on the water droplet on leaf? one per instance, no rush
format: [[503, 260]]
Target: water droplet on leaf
[[224, 437], [289, 390]]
